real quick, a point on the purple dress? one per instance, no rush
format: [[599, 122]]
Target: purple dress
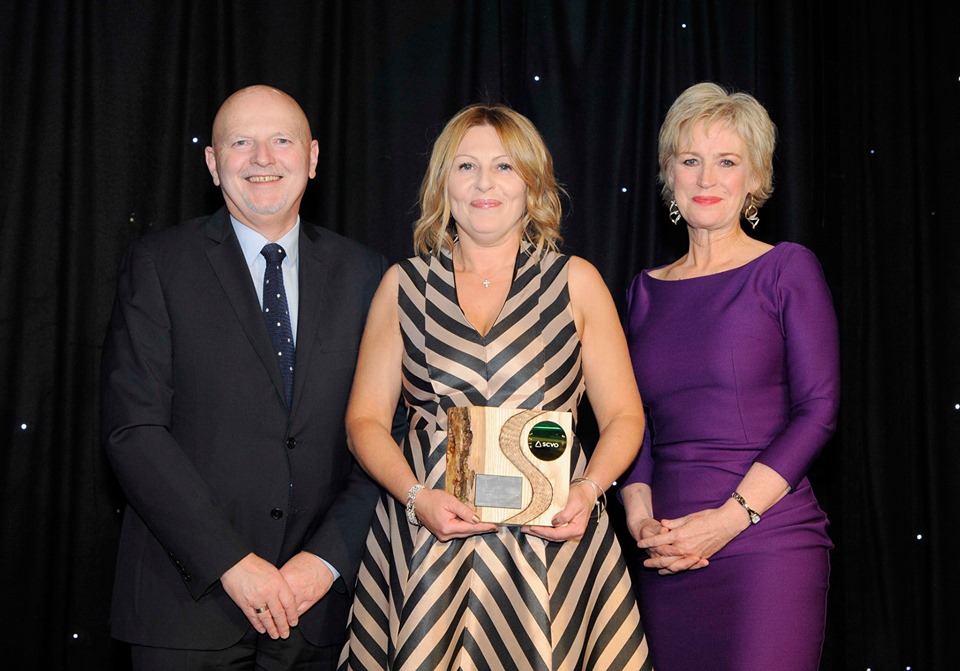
[[738, 367]]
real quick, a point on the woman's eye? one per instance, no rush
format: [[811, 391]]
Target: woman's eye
[[503, 167], [465, 166]]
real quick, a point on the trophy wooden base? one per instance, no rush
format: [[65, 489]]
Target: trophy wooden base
[[512, 466]]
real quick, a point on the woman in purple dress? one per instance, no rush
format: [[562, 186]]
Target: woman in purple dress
[[735, 349]]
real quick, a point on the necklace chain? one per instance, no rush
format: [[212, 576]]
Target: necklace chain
[[486, 281]]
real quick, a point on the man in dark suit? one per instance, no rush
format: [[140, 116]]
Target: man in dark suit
[[226, 372]]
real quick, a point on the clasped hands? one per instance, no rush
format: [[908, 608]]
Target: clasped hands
[[273, 599], [446, 517], [685, 543]]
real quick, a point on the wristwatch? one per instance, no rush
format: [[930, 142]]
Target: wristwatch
[[754, 515]]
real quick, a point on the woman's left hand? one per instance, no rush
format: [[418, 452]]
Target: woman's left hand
[[701, 534], [571, 522]]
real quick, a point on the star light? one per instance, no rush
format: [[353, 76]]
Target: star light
[[536, 78], [623, 189]]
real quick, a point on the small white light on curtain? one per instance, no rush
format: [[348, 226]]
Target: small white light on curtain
[[623, 189], [536, 78], [23, 427], [196, 140], [919, 537], [683, 25]]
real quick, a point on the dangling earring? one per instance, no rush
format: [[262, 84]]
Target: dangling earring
[[751, 213], [674, 212]]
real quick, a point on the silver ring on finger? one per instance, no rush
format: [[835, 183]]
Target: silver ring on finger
[[261, 610]]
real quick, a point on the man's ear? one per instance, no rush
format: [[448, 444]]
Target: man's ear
[[314, 157], [211, 159]]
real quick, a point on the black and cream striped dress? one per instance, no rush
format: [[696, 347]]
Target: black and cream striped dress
[[493, 601]]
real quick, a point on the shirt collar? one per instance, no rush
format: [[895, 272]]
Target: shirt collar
[[252, 242]]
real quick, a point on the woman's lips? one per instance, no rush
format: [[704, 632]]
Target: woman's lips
[[484, 203], [706, 200]]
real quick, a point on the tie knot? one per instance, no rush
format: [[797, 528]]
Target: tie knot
[[273, 253]]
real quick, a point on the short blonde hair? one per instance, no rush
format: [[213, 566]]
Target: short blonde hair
[[531, 160], [712, 104]]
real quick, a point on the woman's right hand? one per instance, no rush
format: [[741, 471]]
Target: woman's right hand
[[668, 558], [446, 517]]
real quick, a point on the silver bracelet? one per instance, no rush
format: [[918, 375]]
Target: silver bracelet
[[412, 505], [600, 496], [754, 515]]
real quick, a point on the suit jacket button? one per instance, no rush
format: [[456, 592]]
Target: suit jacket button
[[291, 443], [276, 513]]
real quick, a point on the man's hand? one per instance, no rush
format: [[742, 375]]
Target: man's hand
[[262, 593], [309, 577]]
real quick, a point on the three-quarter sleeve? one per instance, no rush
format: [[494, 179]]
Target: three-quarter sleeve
[[809, 326]]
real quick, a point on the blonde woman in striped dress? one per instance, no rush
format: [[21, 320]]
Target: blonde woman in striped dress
[[491, 314]]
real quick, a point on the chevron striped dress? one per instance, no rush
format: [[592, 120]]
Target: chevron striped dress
[[493, 601]]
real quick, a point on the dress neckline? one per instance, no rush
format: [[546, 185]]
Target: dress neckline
[[748, 264], [519, 262]]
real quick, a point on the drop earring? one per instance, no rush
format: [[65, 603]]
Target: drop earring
[[751, 213], [674, 212]]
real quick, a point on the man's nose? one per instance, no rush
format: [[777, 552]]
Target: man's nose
[[262, 155]]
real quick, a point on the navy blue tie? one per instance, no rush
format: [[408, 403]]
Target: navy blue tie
[[276, 315]]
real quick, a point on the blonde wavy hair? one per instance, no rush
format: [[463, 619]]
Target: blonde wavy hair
[[540, 222], [712, 104]]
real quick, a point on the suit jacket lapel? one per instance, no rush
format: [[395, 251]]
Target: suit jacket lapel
[[227, 261], [315, 263]]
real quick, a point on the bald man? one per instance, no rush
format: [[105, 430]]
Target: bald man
[[225, 376]]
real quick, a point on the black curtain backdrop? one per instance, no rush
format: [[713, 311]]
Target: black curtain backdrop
[[105, 108]]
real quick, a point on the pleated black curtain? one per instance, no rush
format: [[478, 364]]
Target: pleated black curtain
[[106, 106]]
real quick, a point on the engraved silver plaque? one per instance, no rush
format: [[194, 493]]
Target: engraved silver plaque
[[499, 491]]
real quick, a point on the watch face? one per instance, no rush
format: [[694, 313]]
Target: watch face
[[754, 518]]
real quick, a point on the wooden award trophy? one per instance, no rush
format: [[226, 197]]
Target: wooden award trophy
[[512, 466]]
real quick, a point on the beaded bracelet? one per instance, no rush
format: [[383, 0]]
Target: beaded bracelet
[[600, 498], [412, 505]]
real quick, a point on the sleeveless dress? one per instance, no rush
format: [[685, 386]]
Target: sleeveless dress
[[501, 600], [738, 367]]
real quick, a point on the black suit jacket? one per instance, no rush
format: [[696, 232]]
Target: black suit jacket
[[195, 426]]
